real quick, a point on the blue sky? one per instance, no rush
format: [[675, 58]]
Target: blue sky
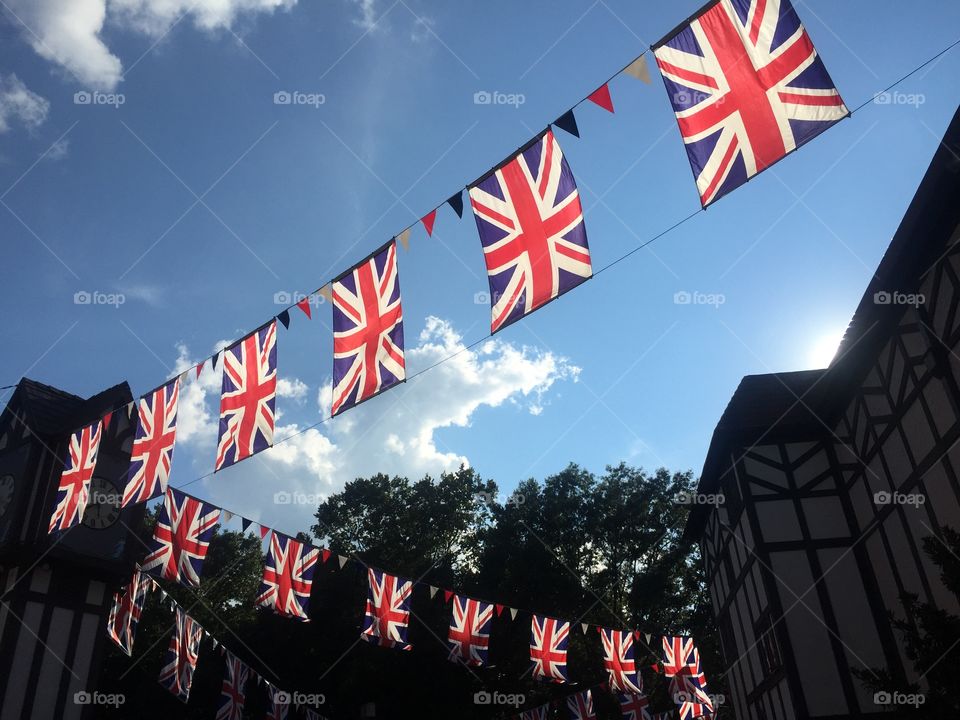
[[199, 199]]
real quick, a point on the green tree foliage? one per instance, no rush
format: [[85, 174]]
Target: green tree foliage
[[605, 550]]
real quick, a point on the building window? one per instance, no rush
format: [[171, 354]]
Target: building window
[[768, 646]]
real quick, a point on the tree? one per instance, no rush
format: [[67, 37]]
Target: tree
[[605, 550]]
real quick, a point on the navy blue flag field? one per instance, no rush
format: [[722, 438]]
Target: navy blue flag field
[[747, 87], [367, 330], [531, 227], [248, 399]]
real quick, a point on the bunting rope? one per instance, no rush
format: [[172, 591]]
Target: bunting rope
[[198, 367]]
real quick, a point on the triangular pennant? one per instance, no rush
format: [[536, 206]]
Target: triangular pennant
[[214, 643], [326, 292], [200, 367], [304, 305], [184, 376], [636, 634], [284, 317], [513, 613], [325, 555], [447, 594], [601, 97], [433, 591], [264, 531], [647, 637], [213, 360], [638, 69], [584, 627], [131, 407], [499, 609], [568, 123], [246, 523], [106, 419], [342, 559], [163, 596], [404, 239], [456, 202], [226, 516], [428, 220]]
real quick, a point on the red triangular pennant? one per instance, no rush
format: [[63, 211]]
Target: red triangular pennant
[[499, 608], [447, 594], [305, 306], [200, 367], [601, 97], [325, 554], [427, 221], [106, 419], [264, 531]]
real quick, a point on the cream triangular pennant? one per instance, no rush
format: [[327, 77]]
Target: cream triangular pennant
[[513, 613], [404, 239], [326, 292], [433, 591], [584, 626], [226, 516], [342, 559], [647, 636], [638, 69]]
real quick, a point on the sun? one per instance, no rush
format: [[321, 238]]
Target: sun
[[823, 349]]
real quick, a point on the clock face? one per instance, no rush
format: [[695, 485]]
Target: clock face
[[103, 504], [6, 493]]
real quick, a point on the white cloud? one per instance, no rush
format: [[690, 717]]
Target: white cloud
[[369, 18], [155, 17], [19, 103], [294, 389], [68, 32], [58, 151], [152, 295], [397, 433]]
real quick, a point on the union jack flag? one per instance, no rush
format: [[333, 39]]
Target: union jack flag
[[619, 661], [152, 451], [231, 695], [249, 396], [287, 576], [680, 656], [469, 635], [387, 611], [367, 330], [548, 648], [75, 480], [747, 87], [176, 675], [126, 610], [537, 713], [531, 227], [688, 685], [279, 705], [634, 707], [181, 538], [580, 706], [689, 692]]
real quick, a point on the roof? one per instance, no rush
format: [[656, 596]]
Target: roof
[[765, 406], [54, 412]]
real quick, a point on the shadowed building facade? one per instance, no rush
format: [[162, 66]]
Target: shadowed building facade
[[831, 479], [57, 589]]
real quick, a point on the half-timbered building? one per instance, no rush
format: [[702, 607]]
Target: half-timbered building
[[831, 479], [56, 590]]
